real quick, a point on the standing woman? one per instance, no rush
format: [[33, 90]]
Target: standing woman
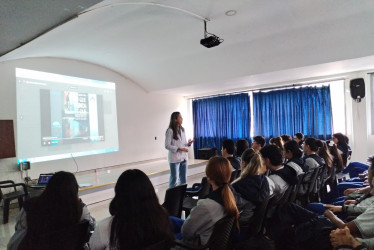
[[176, 143]]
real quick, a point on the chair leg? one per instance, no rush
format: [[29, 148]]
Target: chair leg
[[20, 202], [6, 211]]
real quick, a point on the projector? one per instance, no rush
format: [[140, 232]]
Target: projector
[[211, 41]]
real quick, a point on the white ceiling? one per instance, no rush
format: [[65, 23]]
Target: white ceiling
[[158, 45]]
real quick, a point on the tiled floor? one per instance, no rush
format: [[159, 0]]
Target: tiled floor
[[99, 195]]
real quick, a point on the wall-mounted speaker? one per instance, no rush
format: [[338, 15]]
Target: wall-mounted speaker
[[357, 87]]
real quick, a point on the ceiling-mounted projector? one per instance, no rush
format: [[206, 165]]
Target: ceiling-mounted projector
[[210, 41]]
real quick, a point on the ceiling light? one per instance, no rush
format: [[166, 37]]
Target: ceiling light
[[230, 13]]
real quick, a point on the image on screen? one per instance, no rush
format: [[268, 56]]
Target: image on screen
[[63, 116]]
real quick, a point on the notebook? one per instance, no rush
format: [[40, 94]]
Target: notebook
[[42, 181]]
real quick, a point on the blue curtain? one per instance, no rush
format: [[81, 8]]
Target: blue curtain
[[306, 110], [219, 118]]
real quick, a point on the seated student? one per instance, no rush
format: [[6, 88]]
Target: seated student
[[241, 146], [299, 138], [137, 221], [311, 160], [258, 142], [228, 150], [353, 187], [341, 142], [311, 231], [282, 176], [355, 206], [324, 153], [285, 138], [277, 141], [337, 160], [251, 185], [58, 207], [362, 226], [198, 226], [293, 155]]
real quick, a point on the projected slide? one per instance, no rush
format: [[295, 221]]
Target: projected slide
[[63, 116], [70, 117]]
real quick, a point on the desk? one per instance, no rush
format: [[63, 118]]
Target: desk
[[34, 192]]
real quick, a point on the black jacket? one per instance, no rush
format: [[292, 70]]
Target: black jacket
[[253, 188]]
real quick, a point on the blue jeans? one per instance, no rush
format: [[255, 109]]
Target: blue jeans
[[179, 168]]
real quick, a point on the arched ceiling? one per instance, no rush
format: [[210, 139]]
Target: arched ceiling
[[157, 44]]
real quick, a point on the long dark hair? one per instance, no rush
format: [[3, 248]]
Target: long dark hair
[[138, 218], [57, 207], [342, 142], [324, 153], [173, 124], [337, 158], [342, 146]]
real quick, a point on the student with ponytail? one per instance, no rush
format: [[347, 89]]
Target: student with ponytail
[[198, 226], [251, 186]]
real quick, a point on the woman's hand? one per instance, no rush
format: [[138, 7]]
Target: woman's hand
[[183, 149]]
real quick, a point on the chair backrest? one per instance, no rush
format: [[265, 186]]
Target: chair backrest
[[10, 184], [72, 238], [235, 174], [313, 180], [256, 223], [221, 236], [204, 189], [174, 200], [297, 187], [287, 195]]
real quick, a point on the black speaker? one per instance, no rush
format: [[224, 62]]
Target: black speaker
[[206, 153], [357, 87]]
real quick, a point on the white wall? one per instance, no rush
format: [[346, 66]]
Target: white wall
[[357, 119], [141, 117]]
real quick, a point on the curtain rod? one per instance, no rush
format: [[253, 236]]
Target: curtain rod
[[271, 88]]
